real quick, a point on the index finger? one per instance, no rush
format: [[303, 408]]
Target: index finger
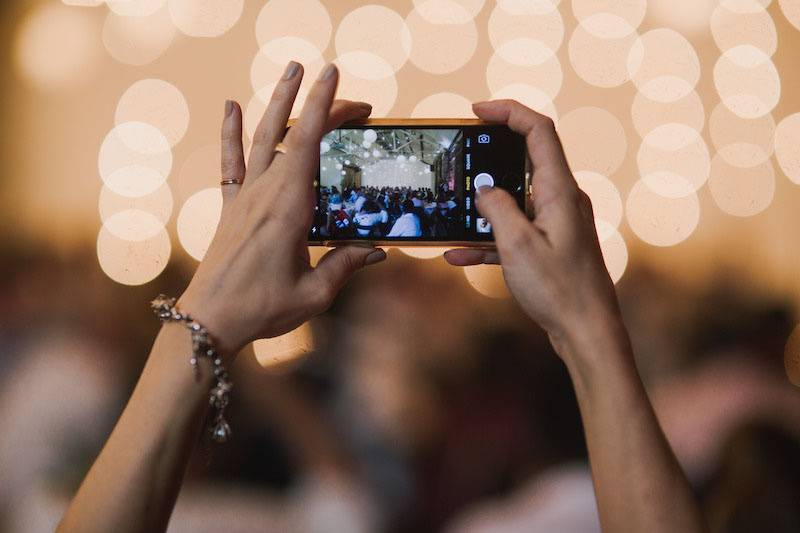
[[544, 146]]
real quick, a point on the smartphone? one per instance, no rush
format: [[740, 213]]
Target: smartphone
[[413, 182]]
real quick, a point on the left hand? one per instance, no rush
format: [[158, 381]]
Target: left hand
[[256, 279]]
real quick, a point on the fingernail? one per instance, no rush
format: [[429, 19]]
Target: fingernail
[[375, 257], [483, 189], [365, 105], [291, 70], [481, 103], [228, 108], [328, 73]]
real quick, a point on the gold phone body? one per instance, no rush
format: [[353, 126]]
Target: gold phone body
[[411, 122]]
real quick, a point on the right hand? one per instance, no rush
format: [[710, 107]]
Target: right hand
[[553, 265]]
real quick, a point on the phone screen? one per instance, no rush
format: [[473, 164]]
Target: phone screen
[[401, 183]]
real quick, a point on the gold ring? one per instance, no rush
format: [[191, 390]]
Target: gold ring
[[280, 147], [231, 182]]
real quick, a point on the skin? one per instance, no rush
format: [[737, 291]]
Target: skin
[[256, 281]]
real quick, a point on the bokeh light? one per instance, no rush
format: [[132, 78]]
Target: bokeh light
[[55, 46], [158, 203], [606, 200], [279, 18], [423, 252], [741, 142], [615, 255], [528, 95], [747, 81], [200, 170], [133, 225], [674, 160], [367, 77], [205, 18], [138, 40], [441, 47], [487, 280], [737, 22], [593, 139], [132, 262], [443, 105], [664, 65], [158, 103], [649, 114], [448, 11], [787, 141], [791, 9], [532, 63], [659, 220], [377, 30], [599, 49], [198, 220], [135, 8], [135, 159], [280, 350], [741, 191], [526, 20]]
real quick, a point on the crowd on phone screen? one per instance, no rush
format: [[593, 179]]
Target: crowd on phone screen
[[387, 212]]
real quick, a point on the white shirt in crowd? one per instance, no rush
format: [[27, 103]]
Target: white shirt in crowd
[[417, 202], [360, 203], [368, 220], [406, 226]]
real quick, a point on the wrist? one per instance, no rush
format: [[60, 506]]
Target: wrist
[[221, 333]]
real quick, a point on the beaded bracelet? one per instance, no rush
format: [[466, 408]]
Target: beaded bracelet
[[202, 346]]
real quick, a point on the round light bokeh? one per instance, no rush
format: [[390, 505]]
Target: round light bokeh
[[158, 103], [742, 192], [135, 8], [510, 21], [133, 225], [281, 18], [791, 10], [741, 142], [632, 11], [272, 59], [285, 348], [83, 3], [375, 29], [205, 18], [664, 65], [674, 160], [738, 22], [747, 81], [658, 220], [448, 11], [138, 40], [606, 200], [55, 46], [366, 77], [159, 203], [593, 139], [787, 139], [439, 48], [530, 96], [423, 252], [132, 262], [649, 114], [534, 64], [487, 280], [599, 49], [135, 159], [615, 255], [442, 105], [198, 221], [686, 16]]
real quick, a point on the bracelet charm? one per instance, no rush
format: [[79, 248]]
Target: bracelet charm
[[202, 347]]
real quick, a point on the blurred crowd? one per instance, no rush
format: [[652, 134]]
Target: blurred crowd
[[388, 212], [424, 406]]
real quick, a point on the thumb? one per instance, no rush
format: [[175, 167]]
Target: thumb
[[509, 223], [337, 266]]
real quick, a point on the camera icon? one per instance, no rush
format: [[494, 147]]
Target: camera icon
[[483, 138]]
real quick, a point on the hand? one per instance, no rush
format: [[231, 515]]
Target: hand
[[552, 265], [256, 279]]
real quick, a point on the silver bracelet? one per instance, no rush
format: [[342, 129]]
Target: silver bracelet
[[202, 346]]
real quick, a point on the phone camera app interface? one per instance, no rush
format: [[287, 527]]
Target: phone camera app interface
[[418, 184]]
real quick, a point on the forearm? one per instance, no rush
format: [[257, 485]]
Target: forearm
[[134, 482], [638, 482]]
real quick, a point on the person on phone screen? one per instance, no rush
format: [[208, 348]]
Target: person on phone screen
[[409, 224], [256, 281]]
